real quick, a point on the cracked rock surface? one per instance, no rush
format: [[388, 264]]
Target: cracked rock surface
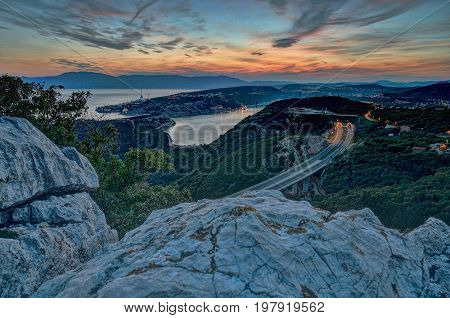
[[48, 223], [32, 166], [262, 245]]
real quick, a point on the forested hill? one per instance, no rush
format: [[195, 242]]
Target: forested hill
[[434, 91], [335, 104]]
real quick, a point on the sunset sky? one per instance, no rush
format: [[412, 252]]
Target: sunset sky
[[303, 40]]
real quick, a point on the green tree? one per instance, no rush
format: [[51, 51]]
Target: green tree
[[149, 160], [44, 107], [125, 195]]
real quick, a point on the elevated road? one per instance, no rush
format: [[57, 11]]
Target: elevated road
[[342, 140]]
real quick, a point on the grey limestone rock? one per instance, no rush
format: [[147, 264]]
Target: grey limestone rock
[[262, 245], [48, 222], [31, 166]]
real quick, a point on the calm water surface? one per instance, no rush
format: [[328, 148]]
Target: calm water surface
[[204, 129]]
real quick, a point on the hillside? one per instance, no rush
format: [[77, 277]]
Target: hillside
[[260, 146], [357, 91], [439, 91], [404, 84], [335, 104], [382, 171], [433, 121], [390, 95]]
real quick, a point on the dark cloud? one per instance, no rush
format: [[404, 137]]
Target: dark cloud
[[160, 46], [178, 43], [199, 49], [387, 12], [90, 9], [116, 25], [282, 43], [256, 53], [310, 16], [84, 66], [143, 51], [79, 21], [141, 8], [288, 68], [170, 45], [247, 59], [203, 49], [360, 43], [278, 5]]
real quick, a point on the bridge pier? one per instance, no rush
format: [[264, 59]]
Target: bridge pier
[[305, 185], [301, 187], [295, 189]]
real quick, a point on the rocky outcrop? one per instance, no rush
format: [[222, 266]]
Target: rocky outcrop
[[262, 245], [314, 144], [48, 222], [31, 166]]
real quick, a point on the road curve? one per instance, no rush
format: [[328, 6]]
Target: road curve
[[342, 140]]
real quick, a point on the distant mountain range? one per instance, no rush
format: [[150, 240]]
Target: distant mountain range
[[91, 80]]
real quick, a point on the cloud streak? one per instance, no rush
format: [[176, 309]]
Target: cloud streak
[[102, 24], [77, 21], [83, 66], [311, 16], [286, 42]]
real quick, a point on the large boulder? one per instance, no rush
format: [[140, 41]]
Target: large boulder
[[31, 166], [48, 222], [46, 238], [262, 245]]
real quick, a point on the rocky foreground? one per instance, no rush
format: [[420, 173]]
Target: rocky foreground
[[263, 245], [257, 245], [48, 222]]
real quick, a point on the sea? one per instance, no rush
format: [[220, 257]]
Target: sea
[[188, 131], [204, 129]]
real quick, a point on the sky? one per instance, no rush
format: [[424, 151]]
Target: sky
[[292, 40]]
